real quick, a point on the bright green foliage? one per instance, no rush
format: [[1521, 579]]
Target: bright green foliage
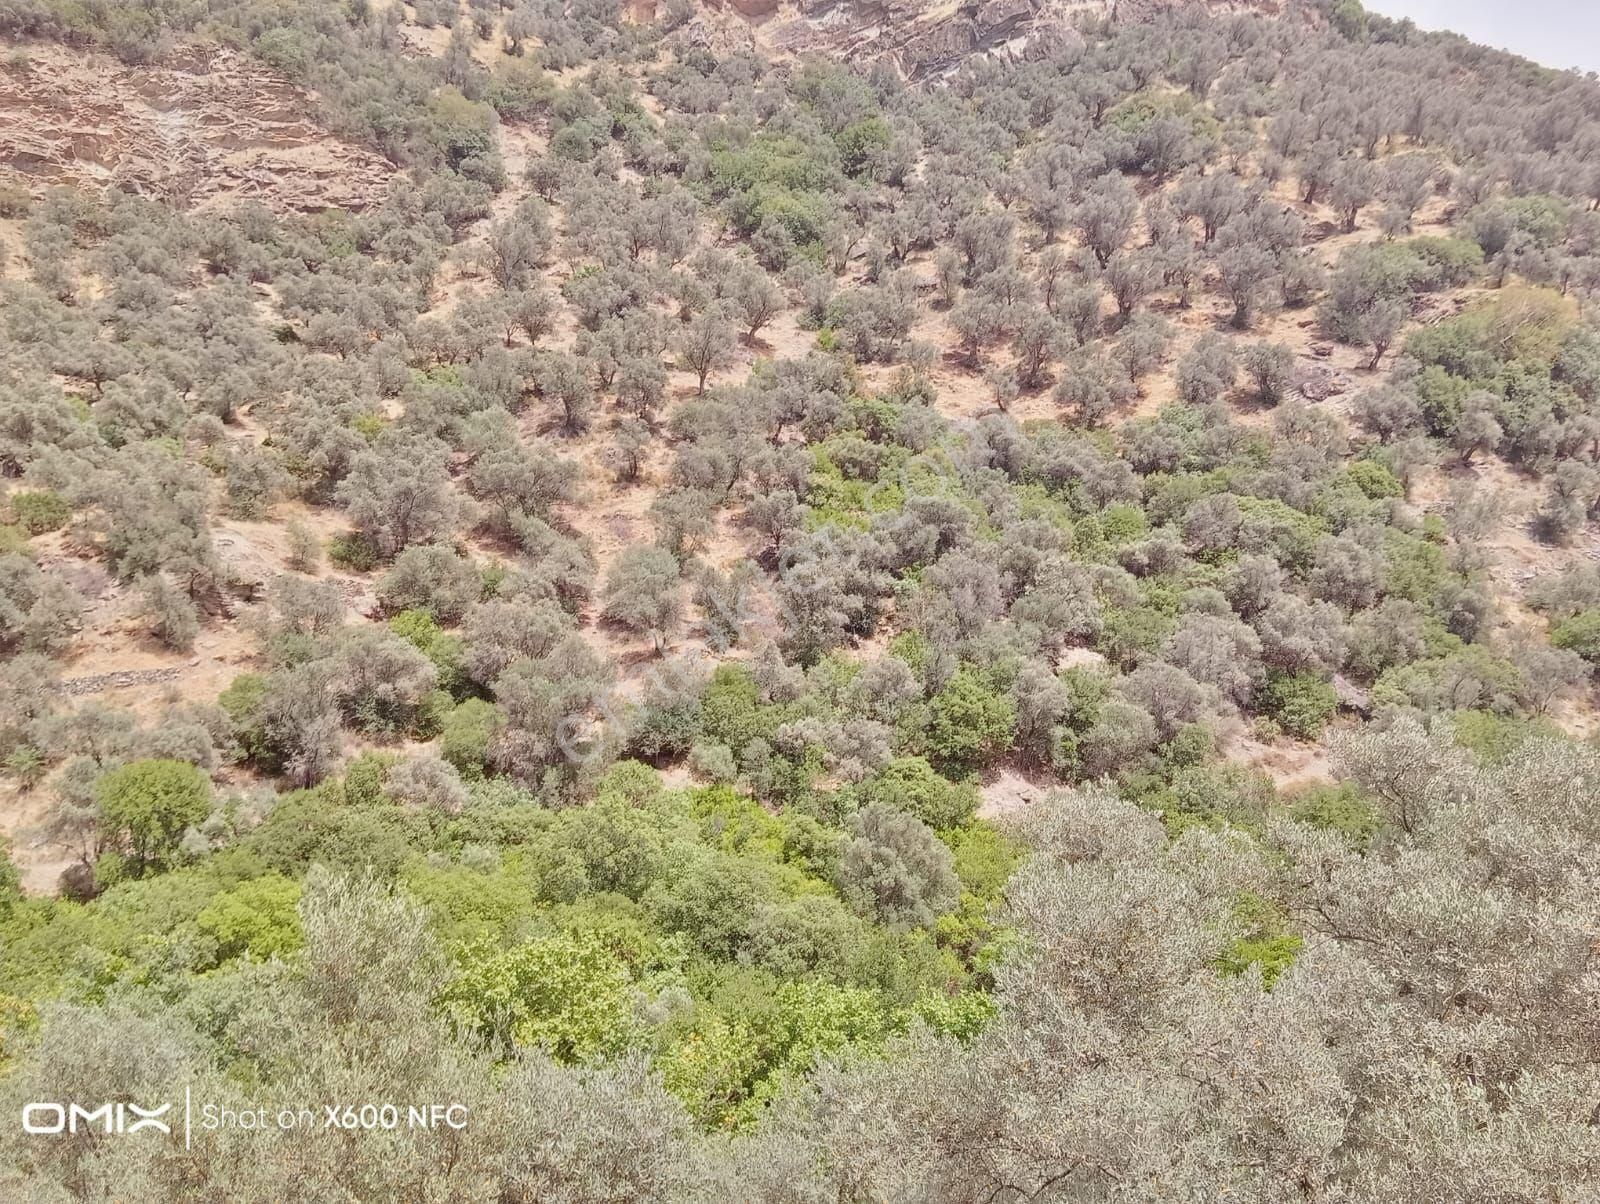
[[836, 500], [146, 806], [1292, 534], [520, 89], [984, 857], [257, 918], [816, 1018], [1469, 678], [1374, 480], [736, 824], [474, 904], [961, 1016], [1214, 795], [1136, 113], [1518, 326], [27, 765], [1273, 954], [1458, 260], [39, 511], [970, 721], [463, 130], [1494, 738], [731, 710], [1342, 809], [242, 702], [620, 846], [1580, 634], [1122, 524], [714, 900], [779, 179], [444, 649], [725, 1068], [912, 785], [1127, 633], [1300, 703], [565, 994], [1441, 396], [711, 1068], [340, 829], [1264, 944], [465, 734], [861, 142], [1542, 220], [631, 783], [354, 552], [1413, 568], [10, 881]]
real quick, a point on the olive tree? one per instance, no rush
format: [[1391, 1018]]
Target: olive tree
[[644, 593]]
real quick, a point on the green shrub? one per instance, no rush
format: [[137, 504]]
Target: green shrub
[[731, 711], [1342, 809], [1350, 19], [27, 764], [465, 734], [1493, 738], [1265, 943], [354, 552], [912, 785], [1300, 703], [257, 918], [1374, 480], [1441, 396], [1457, 259], [1123, 524], [145, 808], [242, 701], [446, 651], [41, 511], [970, 721], [566, 994], [1580, 634]]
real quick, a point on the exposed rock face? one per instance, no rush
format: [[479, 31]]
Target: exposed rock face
[[1145, 10], [1318, 382], [722, 33], [925, 41], [209, 125]]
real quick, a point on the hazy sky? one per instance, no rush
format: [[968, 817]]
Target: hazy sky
[[1559, 33]]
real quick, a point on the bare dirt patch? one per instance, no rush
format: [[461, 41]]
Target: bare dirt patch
[[1291, 764], [1008, 791]]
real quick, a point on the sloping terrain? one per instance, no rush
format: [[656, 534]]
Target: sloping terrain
[[842, 601], [207, 128]]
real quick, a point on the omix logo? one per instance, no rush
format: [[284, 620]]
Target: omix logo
[[107, 1118]]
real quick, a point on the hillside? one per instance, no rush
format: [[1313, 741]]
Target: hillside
[[800, 601]]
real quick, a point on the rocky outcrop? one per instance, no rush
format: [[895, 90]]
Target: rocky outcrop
[[99, 683], [721, 32], [926, 41], [1148, 10], [1318, 382], [208, 125]]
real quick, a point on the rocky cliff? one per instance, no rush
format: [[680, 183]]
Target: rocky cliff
[[927, 40]]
